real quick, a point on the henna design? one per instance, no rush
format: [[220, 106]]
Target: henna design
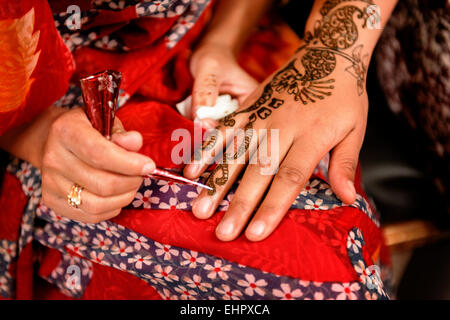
[[318, 64], [209, 144], [338, 31], [211, 141], [245, 145], [331, 4], [229, 120], [214, 181], [332, 36]]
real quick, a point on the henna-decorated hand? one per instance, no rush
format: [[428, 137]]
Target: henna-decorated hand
[[317, 103], [306, 134], [215, 70]]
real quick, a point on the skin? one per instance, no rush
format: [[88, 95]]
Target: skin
[[309, 127], [213, 63], [109, 171]]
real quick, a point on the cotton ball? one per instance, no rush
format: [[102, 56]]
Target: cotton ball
[[224, 106], [184, 107]]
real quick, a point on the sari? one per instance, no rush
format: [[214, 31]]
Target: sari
[[156, 248]]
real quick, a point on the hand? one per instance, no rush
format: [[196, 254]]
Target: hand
[[312, 117], [109, 174], [215, 71]]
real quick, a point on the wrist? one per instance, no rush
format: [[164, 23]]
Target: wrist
[[28, 140]]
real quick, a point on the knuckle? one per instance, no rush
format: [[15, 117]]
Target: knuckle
[[49, 160], [269, 208], [60, 128], [291, 174], [267, 165], [241, 204], [348, 164]]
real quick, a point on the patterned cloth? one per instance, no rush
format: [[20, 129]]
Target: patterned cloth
[[178, 273]]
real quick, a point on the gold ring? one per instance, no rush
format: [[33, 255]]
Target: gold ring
[[74, 196]]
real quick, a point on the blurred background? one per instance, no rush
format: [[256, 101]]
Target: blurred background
[[405, 157]]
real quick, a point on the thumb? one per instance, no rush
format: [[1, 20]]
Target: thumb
[[343, 164], [205, 91], [129, 140]]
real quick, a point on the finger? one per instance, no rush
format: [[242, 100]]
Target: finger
[[117, 126], [61, 207], [294, 172], [256, 180], [205, 91], [215, 140], [92, 148], [241, 86], [343, 164], [100, 182], [225, 173], [90, 204], [129, 140], [208, 123]]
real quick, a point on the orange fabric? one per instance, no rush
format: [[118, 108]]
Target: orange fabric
[[32, 55]]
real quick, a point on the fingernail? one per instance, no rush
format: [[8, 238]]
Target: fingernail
[[257, 228], [225, 228], [203, 206], [194, 169], [148, 168]]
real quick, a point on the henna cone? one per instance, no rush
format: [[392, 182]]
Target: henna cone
[[100, 93], [171, 176]]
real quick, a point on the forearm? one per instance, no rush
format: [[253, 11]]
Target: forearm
[[335, 54], [362, 16], [233, 21], [27, 141]]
